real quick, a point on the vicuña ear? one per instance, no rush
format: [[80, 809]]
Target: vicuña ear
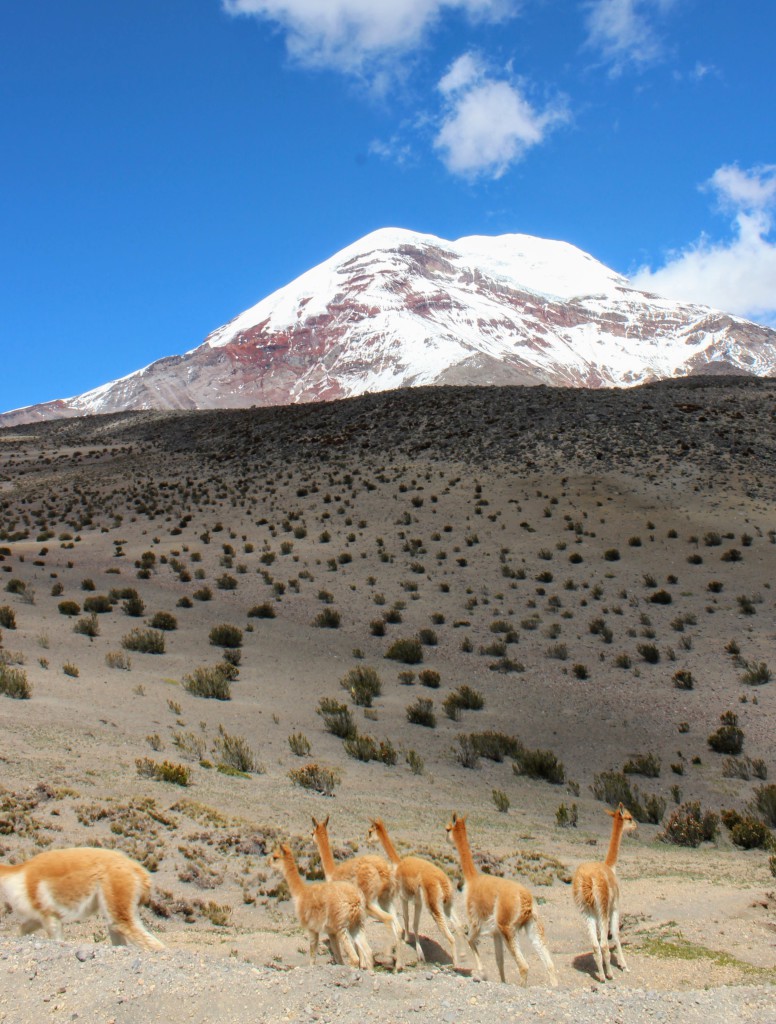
[[454, 817], [612, 814], [326, 821], [315, 823]]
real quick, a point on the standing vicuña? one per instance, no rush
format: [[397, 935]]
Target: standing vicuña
[[418, 880], [373, 876], [335, 909], [597, 894], [500, 907], [69, 885]]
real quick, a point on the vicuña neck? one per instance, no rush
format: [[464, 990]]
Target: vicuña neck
[[461, 841], [614, 842], [388, 846], [324, 849], [293, 878]]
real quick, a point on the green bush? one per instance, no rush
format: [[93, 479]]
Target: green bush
[[746, 831], [428, 637], [146, 641], [756, 674], [466, 698], [226, 636], [501, 800], [226, 582], [299, 744], [234, 752], [167, 771], [429, 677], [327, 618], [466, 752], [614, 788], [7, 617], [87, 626], [133, 605], [688, 825], [495, 746], [409, 651], [683, 679], [337, 718], [365, 748], [363, 684], [98, 604], [661, 597], [649, 653], [764, 803], [164, 621], [262, 611], [316, 777], [643, 764], [69, 608], [203, 594], [540, 764], [567, 817], [212, 683], [14, 683], [421, 712], [729, 738]]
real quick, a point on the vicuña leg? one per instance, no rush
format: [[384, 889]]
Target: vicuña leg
[[535, 933], [616, 938], [513, 945], [416, 930]]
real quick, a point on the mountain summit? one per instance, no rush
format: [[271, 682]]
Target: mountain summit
[[400, 309]]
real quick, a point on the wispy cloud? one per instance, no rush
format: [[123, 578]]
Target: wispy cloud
[[356, 36], [489, 124], [736, 275], [623, 31]]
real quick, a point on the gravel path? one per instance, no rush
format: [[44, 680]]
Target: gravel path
[[43, 980]]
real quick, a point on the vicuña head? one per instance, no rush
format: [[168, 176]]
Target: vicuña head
[[71, 884]]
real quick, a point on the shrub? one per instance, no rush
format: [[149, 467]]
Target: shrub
[[226, 636], [69, 608], [468, 699], [540, 764], [747, 831], [428, 637], [299, 744], [566, 817], [495, 746], [729, 738], [167, 771], [146, 641], [415, 762], [614, 788], [363, 684], [661, 597], [118, 659], [580, 671], [408, 651], [337, 718], [226, 582], [683, 679], [212, 683], [87, 626], [99, 604], [7, 617], [649, 653], [756, 673], [466, 752], [327, 618], [203, 594], [421, 712], [501, 800], [87, 584], [744, 768], [430, 678], [643, 764], [364, 748], [164, 621], [764, 803], [612, 555], [688, 825], [234, 752], [316, 777], [14, 683], [262, 611], [134, 605]]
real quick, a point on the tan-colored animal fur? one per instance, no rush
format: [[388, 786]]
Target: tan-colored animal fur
[[373, 876], [335, 909], [597, 894], [419, 880], [69, 885], [500, 907]]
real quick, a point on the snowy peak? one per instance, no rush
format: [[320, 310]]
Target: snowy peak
[[399, 308]]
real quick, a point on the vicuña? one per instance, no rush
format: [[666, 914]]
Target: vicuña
[[68, 885]]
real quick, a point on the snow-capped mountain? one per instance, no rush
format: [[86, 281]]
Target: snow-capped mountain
[[398, 309]]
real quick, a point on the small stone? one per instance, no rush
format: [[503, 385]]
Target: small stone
[[84, 953]]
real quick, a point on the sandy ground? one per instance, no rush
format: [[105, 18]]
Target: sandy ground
[[434, 523]]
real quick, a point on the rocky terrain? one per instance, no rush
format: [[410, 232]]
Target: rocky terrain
[[401, 309], [559, 593]]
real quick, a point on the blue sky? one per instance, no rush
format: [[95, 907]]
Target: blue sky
[[168, 163]]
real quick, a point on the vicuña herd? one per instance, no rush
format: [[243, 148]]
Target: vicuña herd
[[68, 885]]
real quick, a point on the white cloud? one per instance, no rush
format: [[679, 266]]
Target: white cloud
[[623, 31], [489, 124], [349, 34], [739, 275]]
